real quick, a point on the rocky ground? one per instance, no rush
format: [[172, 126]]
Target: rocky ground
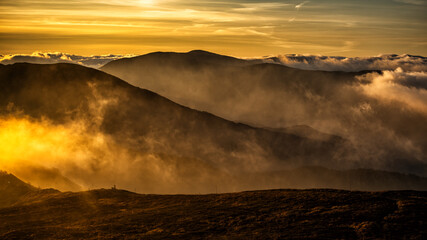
[[270, 214]]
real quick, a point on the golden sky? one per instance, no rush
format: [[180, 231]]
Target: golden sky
[[239, 28]]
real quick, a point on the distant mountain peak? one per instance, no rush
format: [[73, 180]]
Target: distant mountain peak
[[200, 51], [203, 52], [192, 59]]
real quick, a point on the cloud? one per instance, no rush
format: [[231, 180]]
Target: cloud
[[413, 2], [335, 63], [94, 61], [409, 88], [298, 6]]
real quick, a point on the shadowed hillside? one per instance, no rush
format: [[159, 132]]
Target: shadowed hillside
[[11, 189], [242, 90], [270, 214]]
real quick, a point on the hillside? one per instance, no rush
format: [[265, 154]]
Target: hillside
[[12, 189], [383, 120], [238, 89], [102, 129], [270, 214]]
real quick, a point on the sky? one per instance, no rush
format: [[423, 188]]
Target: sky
[[238, 28]]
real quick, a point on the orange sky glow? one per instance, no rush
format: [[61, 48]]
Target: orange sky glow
[[238, 28]]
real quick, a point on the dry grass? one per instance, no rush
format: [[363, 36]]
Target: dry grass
[[272, 214]]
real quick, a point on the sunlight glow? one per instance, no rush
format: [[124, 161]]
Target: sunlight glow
[[146, 2], [237, 28], [26, 142]]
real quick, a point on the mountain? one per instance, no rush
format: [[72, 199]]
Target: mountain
[[103, 131], [81, 128], [379, 113], [229, 87], [12, 188], [306, 131], [275, 214]]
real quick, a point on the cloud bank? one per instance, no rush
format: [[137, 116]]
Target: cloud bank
[[409, 88], [336, 63], [94, 61], [307, 62]]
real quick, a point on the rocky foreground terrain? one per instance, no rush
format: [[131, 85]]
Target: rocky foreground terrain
[[268, 214]]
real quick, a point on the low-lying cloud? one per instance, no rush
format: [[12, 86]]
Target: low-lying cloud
[[336, 63], [409, 88], [93, 61], [307, 62]]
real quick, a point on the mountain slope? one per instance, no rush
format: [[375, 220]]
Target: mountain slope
[[275, 214], [12, 188], [383, 119], [158, 145], [224, 85]]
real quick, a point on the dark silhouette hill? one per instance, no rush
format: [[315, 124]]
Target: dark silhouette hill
[[12, 189], [185, 60], [269, 214], [386, 130]]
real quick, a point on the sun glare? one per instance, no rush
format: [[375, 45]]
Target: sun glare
[[23, 141], [26, 142], [146, 2]]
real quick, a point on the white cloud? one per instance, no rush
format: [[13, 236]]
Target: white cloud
[[298, 6], [406, 87], [94, 61], [335, 63]]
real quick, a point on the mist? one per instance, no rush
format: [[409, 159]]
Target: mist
[[102, 132], [72, 157], [382, 114]]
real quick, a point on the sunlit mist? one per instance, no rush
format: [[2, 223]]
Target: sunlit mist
[[28, 145], [25, 141]]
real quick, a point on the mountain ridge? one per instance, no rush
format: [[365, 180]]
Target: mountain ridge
[[348, 104], [145, 125]]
